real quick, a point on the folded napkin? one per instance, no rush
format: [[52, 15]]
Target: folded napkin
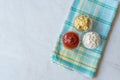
[[81, 59]]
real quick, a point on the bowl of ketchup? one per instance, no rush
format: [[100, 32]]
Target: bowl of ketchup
[[71, 40]]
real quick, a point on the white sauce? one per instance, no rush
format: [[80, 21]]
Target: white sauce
[[91, 40]]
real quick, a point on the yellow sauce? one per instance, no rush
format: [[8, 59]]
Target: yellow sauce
[[82, 23]]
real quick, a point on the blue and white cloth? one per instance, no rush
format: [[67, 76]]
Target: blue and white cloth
[[81, 59]]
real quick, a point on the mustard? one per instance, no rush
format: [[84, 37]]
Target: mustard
[[82, 23]]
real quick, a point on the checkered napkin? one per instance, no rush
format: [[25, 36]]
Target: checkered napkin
[[81, 59]]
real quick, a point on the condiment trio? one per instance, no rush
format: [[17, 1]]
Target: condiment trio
[[90, 39]]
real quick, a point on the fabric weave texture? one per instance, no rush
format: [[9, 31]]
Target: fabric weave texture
[[81, 59]]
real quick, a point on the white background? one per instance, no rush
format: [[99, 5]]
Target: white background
[[28, 32]]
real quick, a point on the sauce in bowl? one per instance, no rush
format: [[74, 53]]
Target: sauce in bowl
[[71, 40]]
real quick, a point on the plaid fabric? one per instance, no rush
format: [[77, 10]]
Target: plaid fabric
[[81, 59]]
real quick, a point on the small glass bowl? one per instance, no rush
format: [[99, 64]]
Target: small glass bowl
[[78, 23], [69, 37]]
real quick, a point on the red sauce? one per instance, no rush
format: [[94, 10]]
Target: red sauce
[[70, 40]]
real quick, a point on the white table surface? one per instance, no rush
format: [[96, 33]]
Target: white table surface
[[28, 32]]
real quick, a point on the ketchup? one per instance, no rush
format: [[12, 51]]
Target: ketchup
[[70, 40]]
